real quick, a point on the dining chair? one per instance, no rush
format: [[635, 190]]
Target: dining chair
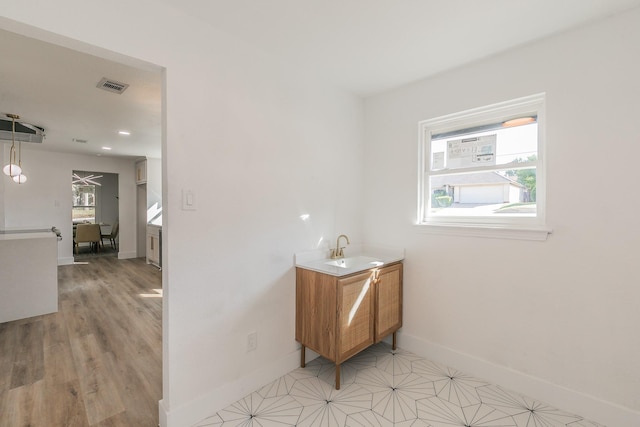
[[87, 233], [111, 236]]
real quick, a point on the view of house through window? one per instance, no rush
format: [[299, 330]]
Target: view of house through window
[[483, 165]]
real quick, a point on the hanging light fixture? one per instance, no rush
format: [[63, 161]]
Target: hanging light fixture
[[12, 169], [21, 178]]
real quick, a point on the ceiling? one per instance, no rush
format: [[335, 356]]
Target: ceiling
[[363, 46], [54, 88], [368, 46]]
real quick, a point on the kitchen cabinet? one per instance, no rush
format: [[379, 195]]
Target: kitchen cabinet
[[153, 245], [28, 274], [141, 172], [339, 316]]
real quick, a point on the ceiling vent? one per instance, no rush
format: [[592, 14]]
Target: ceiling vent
[[25, 132], [112, 85]]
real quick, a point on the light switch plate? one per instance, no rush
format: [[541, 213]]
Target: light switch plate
[[188, 200], [252, 341]]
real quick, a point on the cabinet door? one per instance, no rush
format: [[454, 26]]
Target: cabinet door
[[153, 249], [141, 172], [316, 312], [149, 248], [388, 300], [355, 314]]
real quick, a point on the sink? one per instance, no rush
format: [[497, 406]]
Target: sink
[[355, 261], [358, 258]]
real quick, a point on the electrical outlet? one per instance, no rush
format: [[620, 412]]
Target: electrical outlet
[[252, 341]]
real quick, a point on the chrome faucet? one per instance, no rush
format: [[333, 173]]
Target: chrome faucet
[[338, 252]]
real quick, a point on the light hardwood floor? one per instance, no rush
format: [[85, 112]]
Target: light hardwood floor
[[97, 361]]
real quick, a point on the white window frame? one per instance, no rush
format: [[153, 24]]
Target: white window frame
[[527, 228]]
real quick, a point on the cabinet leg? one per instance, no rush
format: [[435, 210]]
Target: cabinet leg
[[393, 345], [337, 376], [302, 361]]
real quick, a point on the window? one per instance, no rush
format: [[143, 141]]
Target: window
[[483, 168], [84, 203]]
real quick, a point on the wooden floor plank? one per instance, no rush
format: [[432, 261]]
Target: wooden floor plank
[[23, 406], [28, 361], [8, 344], [55, 329], [101, 398], [135, 391], [76, 317], [95, 363], [64, 405], [59, 364]]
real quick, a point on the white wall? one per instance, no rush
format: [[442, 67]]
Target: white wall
[[275, 144], [3, 182], [107, 206], [45, 199], [559, 318]]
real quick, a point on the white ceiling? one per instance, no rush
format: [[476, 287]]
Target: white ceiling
[[363, 46], [367, 46], [55, 88]]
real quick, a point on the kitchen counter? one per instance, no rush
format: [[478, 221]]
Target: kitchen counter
[[28, 273], [27, 233]]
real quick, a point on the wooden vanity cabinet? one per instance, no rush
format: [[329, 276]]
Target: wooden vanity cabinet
[[337, 317]]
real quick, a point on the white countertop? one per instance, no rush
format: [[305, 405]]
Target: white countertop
[[371, 257], [20, 234]]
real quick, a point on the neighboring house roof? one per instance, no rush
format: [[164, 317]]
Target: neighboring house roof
[[478, 178]]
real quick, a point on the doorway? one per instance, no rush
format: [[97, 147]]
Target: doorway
[[74, 128], [96, 201]]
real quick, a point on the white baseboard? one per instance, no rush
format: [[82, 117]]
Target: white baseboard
[[192, 412], [127, 255], [65, 261], [121, 255], [162, 414], [588, 406]]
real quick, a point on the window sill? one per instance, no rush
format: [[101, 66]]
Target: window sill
[[486, 230]]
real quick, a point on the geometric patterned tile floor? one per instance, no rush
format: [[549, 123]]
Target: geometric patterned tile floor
[[384, 388]]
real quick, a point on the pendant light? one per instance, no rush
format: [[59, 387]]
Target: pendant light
[[20, 178], [12, 169]]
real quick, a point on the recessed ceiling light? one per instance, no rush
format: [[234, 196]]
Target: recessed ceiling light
[[124, 132], [106, 148]]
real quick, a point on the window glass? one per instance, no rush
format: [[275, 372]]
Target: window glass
[[483, 166], [84, 203]]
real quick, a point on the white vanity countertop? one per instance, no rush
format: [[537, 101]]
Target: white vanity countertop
[[371, 257]]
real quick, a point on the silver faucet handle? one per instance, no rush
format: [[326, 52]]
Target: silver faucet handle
[[332, 254]]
